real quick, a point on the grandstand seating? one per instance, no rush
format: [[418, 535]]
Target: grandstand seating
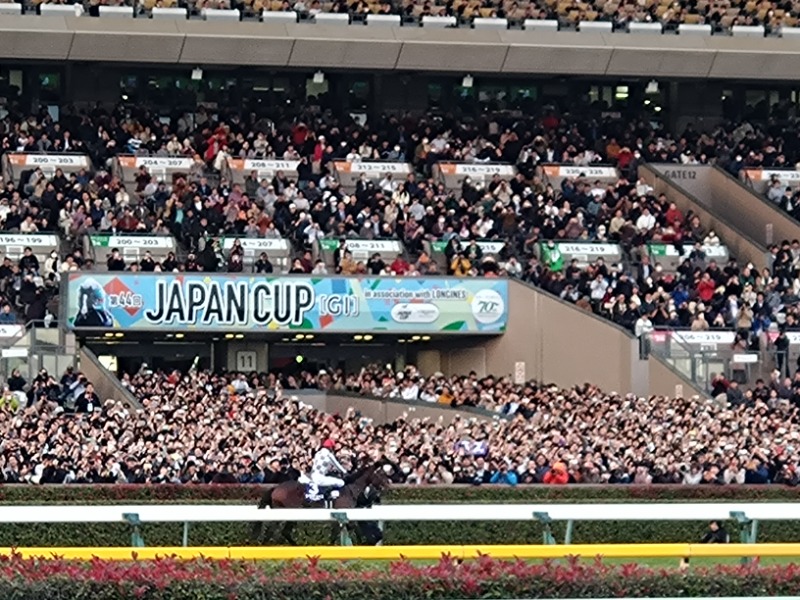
[[738, 18], [554, 201], [493, 189]]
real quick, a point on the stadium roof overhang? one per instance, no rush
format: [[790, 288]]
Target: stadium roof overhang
[[199, 43]]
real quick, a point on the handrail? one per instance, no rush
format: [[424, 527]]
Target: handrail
[[669, 360], [476, 410], [125, 393], [633, 492], [751, 190], [141, 234], [25, 328], [676, 185], [12, 340], [51, 152], [116, 169], [5, 168], [597, 317]]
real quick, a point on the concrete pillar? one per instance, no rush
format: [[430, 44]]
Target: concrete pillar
[[429, 362], [245, 356]]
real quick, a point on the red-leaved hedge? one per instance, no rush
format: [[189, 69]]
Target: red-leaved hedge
[[170, 579]]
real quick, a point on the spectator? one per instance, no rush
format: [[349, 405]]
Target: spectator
[[16, 382], [504, 476], [28, 263], [87, 401], [6, 316], [557, 475], [115, 261], [263, 264]]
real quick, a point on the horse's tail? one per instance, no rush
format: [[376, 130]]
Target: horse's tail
[[258, 527], [266, 498]]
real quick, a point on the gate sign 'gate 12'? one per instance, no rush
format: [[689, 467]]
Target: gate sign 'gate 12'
[[219, 302]]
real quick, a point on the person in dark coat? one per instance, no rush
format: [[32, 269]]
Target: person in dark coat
[[716, 534], [88, 401]]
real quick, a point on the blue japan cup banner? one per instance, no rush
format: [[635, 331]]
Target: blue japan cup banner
[[245, 303]]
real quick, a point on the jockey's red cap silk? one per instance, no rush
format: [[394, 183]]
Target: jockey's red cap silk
[[329, 443]]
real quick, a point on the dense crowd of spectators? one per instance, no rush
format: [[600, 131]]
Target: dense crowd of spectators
[[200, 427], [721, 15], [524, 211], [28, 289]]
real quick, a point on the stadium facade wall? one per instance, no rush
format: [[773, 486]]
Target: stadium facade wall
[[382, 410], [741, 246], [193, 43], [559, 343], [546, 339], [105, 383], [731, 202]]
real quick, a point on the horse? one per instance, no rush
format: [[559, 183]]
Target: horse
[[362, 491]]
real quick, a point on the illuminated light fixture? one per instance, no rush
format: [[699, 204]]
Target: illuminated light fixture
[[239, 336], [119, 334], [415, 338], [652, 87], [299, 358], [646, 101], [367, 338], [285, 340], [228, 336], [401, 341], [299, 336], [110, 334], [309, 336], [319, 77], [467, 82], [179, 336], [197, 74], [358, 338], [657, 109], [426, 338]]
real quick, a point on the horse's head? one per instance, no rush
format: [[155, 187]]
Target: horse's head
[[377, 476], [375, 480]]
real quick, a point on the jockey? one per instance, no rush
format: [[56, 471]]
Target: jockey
[[325, 464]]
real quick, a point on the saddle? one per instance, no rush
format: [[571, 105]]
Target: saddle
[[315, 493]]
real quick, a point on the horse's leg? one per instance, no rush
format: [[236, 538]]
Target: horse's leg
[[255, 532], [257, 528], [269, 531], [286, 533], [370, 533], [335, 527]]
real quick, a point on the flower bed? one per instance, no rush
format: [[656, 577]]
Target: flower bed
[[169, 579]]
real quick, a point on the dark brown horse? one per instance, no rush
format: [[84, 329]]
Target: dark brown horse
[[362, 489]]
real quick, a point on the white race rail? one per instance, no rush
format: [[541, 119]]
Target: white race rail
[[209, 513], [747, 515]]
